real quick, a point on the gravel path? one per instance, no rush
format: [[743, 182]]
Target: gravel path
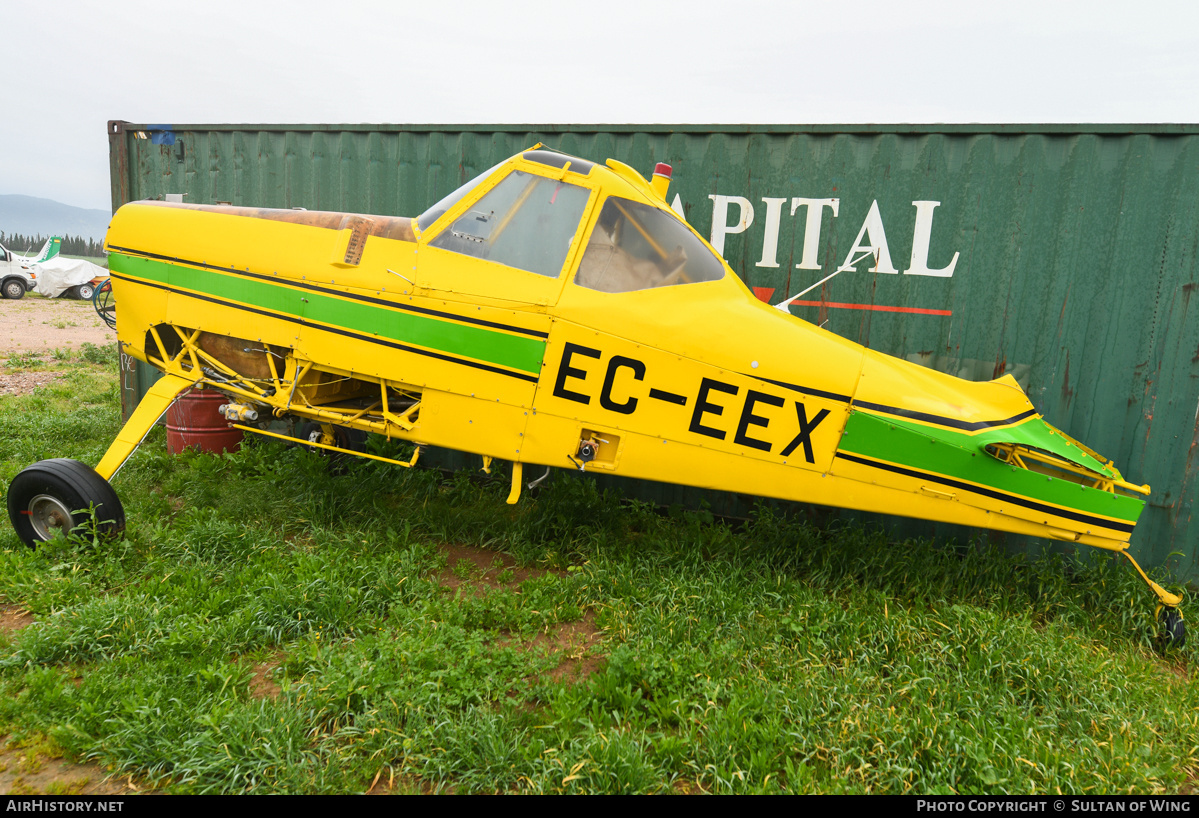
[[40, 325]]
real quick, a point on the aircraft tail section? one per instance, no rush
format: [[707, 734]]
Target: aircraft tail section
[[49, 249]]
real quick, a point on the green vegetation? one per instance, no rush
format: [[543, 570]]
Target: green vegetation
[[269, 625], [88, 353]]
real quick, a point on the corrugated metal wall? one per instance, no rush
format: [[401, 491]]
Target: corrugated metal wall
[[1065, 255]]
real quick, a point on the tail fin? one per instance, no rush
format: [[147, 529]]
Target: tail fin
[[49, 249]]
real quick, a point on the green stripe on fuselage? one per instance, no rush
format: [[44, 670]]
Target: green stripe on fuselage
[[479, 343], [962, 457]]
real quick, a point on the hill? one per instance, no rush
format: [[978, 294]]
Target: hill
[[30, 215]]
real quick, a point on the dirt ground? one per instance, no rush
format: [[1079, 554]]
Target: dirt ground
[[40, 325], [32, 771]]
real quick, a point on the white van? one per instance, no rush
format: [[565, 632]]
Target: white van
[[18, 274]]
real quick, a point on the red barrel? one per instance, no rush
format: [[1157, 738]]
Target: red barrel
[[194, 421]]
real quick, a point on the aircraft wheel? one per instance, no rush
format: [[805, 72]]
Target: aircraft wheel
[[14, 290], [57, 495], [1171, 628]]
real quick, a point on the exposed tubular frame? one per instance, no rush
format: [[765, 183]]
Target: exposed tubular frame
[[377, 417], [1016, 455], [193, 368]]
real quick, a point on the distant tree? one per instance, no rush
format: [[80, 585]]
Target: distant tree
[[18, 242], [71, 245]]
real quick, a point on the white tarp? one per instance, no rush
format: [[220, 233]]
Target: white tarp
[[56, 276]]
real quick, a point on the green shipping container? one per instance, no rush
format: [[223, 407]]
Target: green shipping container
[[1062, 254]]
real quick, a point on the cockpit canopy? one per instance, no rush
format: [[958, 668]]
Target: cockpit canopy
[[529, 222]]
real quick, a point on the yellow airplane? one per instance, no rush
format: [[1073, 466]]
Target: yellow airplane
[[555, 311]]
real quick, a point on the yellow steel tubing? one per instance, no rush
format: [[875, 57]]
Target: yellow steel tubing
[[409, 464], [1168, 599]]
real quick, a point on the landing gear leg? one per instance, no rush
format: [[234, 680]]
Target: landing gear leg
[[155, 403], [1173, 630]]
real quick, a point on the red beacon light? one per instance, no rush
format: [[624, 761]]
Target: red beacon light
[[661, 181]]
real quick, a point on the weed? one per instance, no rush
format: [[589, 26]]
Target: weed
[[73, 786], [101, 355], [23, 360]]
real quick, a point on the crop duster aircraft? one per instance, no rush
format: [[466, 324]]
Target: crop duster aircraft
[[555, 311]]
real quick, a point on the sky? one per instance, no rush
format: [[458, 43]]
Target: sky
[[72, 65]]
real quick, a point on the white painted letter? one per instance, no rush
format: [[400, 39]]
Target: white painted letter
[[920, 240], [811, 231], [720, 218], [770, 241], [677, 207], [876, 249]]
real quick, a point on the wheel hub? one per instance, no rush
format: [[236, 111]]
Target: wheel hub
[[48, 514]]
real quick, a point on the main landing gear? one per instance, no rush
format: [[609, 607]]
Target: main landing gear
[[60, 495]]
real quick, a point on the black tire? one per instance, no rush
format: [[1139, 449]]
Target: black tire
[[13, 289], [84, 292], [1171, 628], [57, 495]]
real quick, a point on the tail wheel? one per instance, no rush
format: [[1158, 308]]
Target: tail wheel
[[1171, 629], [59, 496]]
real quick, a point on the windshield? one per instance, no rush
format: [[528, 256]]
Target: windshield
[[637, 247], [434, 213], [526, 221]]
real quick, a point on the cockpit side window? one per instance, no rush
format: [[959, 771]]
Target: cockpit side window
[[637, 247], [435, 212], [526, 221]]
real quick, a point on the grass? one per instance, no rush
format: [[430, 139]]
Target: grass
[[759, 656], [88, 353]]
